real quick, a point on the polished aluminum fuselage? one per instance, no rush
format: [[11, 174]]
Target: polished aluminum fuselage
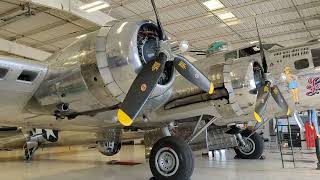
[[91, 75], [15, 94], [88, 76]]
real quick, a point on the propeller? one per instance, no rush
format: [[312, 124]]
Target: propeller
[[267, 89], [147, 79], [161, 33]]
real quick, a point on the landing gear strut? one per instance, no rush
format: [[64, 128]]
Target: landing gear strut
[[171, 159], [32, 145], [28, 153], [35, 137]]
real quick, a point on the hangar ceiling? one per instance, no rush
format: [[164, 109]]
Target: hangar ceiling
[[282, 21], [278, 20], [40, 27]]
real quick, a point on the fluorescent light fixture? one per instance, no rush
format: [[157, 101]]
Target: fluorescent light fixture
[[225, 16], [82, 36], [253, 42], [87, 6], [213, 4], [233, 22], [105, 5], [94, 6]]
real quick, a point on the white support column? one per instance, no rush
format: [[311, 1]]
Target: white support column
[[22, 50], [72, 6]]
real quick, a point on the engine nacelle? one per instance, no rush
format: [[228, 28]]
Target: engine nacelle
[[97, 71], [241, 80], [109, 141], [127, 48], [235, 94], [108, 148]]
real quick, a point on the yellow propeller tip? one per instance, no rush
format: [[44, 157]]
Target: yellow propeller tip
[[289, 112], [257, 117], [211, 90], [123, 118]]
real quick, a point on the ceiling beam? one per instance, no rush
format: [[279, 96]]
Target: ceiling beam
[[72, 7], [209, 13], [264, 38], [28, 12], [166, 9], [245, 30], [23, 51], [295, 41], [64, 37], [278, 34], [248, 19], [10, 11], [188, 3], [242, 20], [43, 28], [268, 14]]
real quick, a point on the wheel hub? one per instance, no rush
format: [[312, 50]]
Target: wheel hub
[[248, 148], [167, 162]]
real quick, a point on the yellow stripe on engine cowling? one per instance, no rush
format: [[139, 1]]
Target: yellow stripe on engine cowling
[[211, 90], [123, 118], [257, 117]]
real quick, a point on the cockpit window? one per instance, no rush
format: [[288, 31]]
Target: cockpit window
[[249, 51], [301, 64], [28, 76], [3, 72]]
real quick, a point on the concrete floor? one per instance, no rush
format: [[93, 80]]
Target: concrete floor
[[81, 163]]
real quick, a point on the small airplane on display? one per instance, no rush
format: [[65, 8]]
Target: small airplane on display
[[124, 76]]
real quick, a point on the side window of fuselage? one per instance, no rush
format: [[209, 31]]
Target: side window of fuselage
[[316, 57], [28, 76], [301, 64], [3, 72]]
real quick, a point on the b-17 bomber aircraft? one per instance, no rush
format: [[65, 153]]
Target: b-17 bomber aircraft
[[124, 77]]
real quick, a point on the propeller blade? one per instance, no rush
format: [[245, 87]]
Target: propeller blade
[[192, 74], [162, 35], [282, 103], [141, 89], [261, 103], [263, 56]]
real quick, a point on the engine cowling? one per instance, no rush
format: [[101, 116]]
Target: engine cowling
[[97, 70], [241, 80], [128, 46]]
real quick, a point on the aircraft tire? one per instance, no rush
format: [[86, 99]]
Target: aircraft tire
[[254, 146], [171, 158]]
